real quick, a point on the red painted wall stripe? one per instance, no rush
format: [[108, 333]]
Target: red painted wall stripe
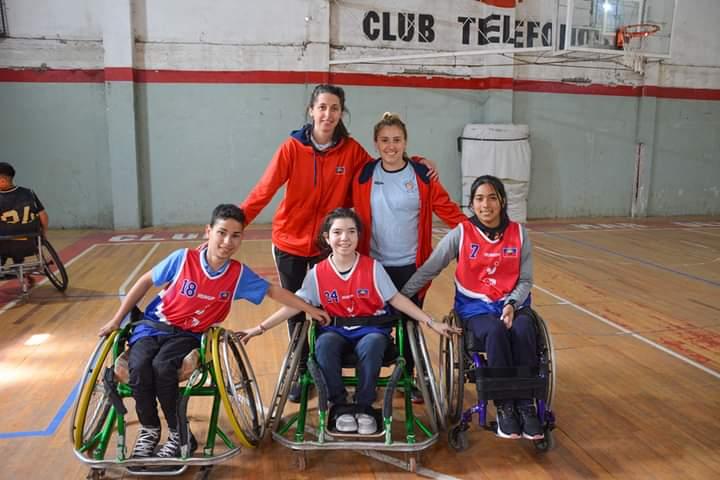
[[121, 74]]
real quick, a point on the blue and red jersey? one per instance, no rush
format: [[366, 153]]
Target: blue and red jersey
[[195, 297], [487, 270]]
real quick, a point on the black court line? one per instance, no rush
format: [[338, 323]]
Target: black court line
[[635, 259]]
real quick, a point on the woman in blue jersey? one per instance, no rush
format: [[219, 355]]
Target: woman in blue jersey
[[492, 286]]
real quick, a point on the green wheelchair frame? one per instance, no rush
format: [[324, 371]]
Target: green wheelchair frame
[[291, 431], [223, 373]]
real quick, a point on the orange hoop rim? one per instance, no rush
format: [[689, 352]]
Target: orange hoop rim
[[639, 30]]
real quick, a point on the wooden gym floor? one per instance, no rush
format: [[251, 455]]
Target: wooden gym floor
[[632, 306]]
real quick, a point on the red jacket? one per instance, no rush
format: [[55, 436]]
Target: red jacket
[[433, 199], [316, 183]]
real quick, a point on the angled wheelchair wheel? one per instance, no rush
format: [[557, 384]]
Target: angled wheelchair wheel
[[547, 355], [53, 266], [452, 370], [238, 388], [429, 384], [93, 403], [287, 373]]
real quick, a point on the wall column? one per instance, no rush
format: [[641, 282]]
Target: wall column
[[118, 42]]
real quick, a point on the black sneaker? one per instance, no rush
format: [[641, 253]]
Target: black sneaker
[[531, 427], [147, 440], [172, 448], [295, 390], [507, 422]]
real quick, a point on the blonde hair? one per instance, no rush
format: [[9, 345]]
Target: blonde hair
[[389, 120]]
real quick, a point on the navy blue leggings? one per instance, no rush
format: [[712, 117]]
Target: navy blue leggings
[[516, 347]]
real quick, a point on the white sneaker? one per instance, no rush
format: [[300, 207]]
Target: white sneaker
[[346, 423], [366, 424]]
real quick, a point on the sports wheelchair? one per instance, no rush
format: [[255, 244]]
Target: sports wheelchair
[[415, 434], [462, 361], [219, 369], [30, 253]]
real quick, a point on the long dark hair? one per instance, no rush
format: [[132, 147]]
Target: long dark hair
[[340, 129], [500, 190], [327, 223]]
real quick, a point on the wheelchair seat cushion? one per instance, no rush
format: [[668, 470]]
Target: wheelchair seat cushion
[[190, 363]]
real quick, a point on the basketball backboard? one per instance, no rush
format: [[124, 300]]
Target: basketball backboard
[[596, 26]]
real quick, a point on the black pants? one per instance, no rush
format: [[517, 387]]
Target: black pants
[[291, 271], [400, 276], [17, 250], [154, 363]]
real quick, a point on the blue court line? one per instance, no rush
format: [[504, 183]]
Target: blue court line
[[635, 259], [54, 423]]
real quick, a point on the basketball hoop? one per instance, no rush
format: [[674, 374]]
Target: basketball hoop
[[631, 39]]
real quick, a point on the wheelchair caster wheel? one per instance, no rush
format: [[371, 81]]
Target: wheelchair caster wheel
[[412, 463], [301, 461], [458, 438], [95, 474], [546, 444]]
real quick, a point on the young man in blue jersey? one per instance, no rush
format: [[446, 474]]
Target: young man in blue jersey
[[199, 287]]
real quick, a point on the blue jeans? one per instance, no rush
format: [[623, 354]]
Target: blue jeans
[[369, 349]]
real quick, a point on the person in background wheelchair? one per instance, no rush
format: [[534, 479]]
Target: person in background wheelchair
[[20, 212], [492, 286], [350, 286], [200, 288]]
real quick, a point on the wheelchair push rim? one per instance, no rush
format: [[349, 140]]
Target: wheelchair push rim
[[238, 388], [58, 278], [93, 403]]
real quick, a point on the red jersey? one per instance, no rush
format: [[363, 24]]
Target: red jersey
[[488, 269], [355, 296], [195, 301]]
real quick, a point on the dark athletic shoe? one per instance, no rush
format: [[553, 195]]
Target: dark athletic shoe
[[507, 422], [531, 427]]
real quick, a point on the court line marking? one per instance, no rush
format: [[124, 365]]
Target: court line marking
[[54, 423], [632, 334], [638, 260], [121, 290]]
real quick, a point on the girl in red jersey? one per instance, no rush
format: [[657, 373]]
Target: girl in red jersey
[[350, 286], [492, 286]]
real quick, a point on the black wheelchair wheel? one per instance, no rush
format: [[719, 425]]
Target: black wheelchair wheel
[[458, 438], [452, 370], [547, 358], [51, 261], [545, 444]]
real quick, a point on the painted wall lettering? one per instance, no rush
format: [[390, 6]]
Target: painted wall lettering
[[389, 26]]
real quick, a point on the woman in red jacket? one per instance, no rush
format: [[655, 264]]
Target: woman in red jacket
[[395, 198]]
